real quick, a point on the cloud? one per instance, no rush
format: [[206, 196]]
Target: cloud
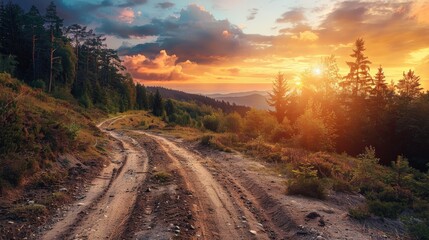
[[127, 31], [195, 35], [419, 10], [132, 3], [165, 5], [306, 36], [252, 14], [162, 67], [293, 16], [127, 15], [233, 71]]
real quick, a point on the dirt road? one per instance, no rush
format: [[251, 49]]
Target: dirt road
[[104, 210], [161, 188]]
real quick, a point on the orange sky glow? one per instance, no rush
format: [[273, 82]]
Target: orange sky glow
[[207, 54]]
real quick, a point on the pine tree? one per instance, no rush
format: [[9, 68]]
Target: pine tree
[[380, 85], [34, 30], [358, 80], [141, 97], [279, 98], [170, 109], [409, 85], [157, 105], [54, 25]]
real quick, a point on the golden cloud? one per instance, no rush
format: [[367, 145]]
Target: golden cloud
[[162, 68]]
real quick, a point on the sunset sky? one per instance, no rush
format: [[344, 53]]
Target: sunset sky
[[208, 46]]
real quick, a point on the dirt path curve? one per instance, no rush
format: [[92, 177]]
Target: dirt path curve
[[106, 207], [219, 215]]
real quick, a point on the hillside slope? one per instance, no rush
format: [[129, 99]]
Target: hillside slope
[[199, 99], [48, 148]]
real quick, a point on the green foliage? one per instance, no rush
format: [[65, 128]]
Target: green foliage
[[258, 123], [315, 130], [73, 130], [365, 173], [7, 64], [29, 211], [157, 105], [213, 142], [280, 97], [359, 213], [211, 122], [417, 228], [282, 132], [39, 83], [10, 124], [162, 177], [385, 209], [232, 123], [306, 182]]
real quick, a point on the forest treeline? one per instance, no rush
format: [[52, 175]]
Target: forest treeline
[[70, 62], [358, 110]]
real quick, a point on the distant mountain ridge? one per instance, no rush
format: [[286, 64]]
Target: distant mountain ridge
[[226, 107], [254, 99], [237, 94]]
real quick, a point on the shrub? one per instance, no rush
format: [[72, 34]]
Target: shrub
[[73, 130], [366, 176], [38, 84], [282, 132], [418, 229], [29, 211], [306, 183], [359, 213], [211, 122], [211, 141], [233, 123], [385, 209], [258, 123], [315, 129]]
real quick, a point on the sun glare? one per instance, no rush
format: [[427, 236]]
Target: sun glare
[[317, 71]]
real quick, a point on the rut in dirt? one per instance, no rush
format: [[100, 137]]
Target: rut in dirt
[[104, 211]]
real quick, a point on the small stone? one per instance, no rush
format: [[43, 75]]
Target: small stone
[[31, 202], [63, 190], [312, 215], [301, 232], [10, 222], [253, 232], [322, 222]]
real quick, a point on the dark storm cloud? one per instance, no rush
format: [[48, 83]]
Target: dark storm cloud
[[165, 5], [132, 3], [195, 35], [80, 12], [252, 14], [123, 30], [70, 13]]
